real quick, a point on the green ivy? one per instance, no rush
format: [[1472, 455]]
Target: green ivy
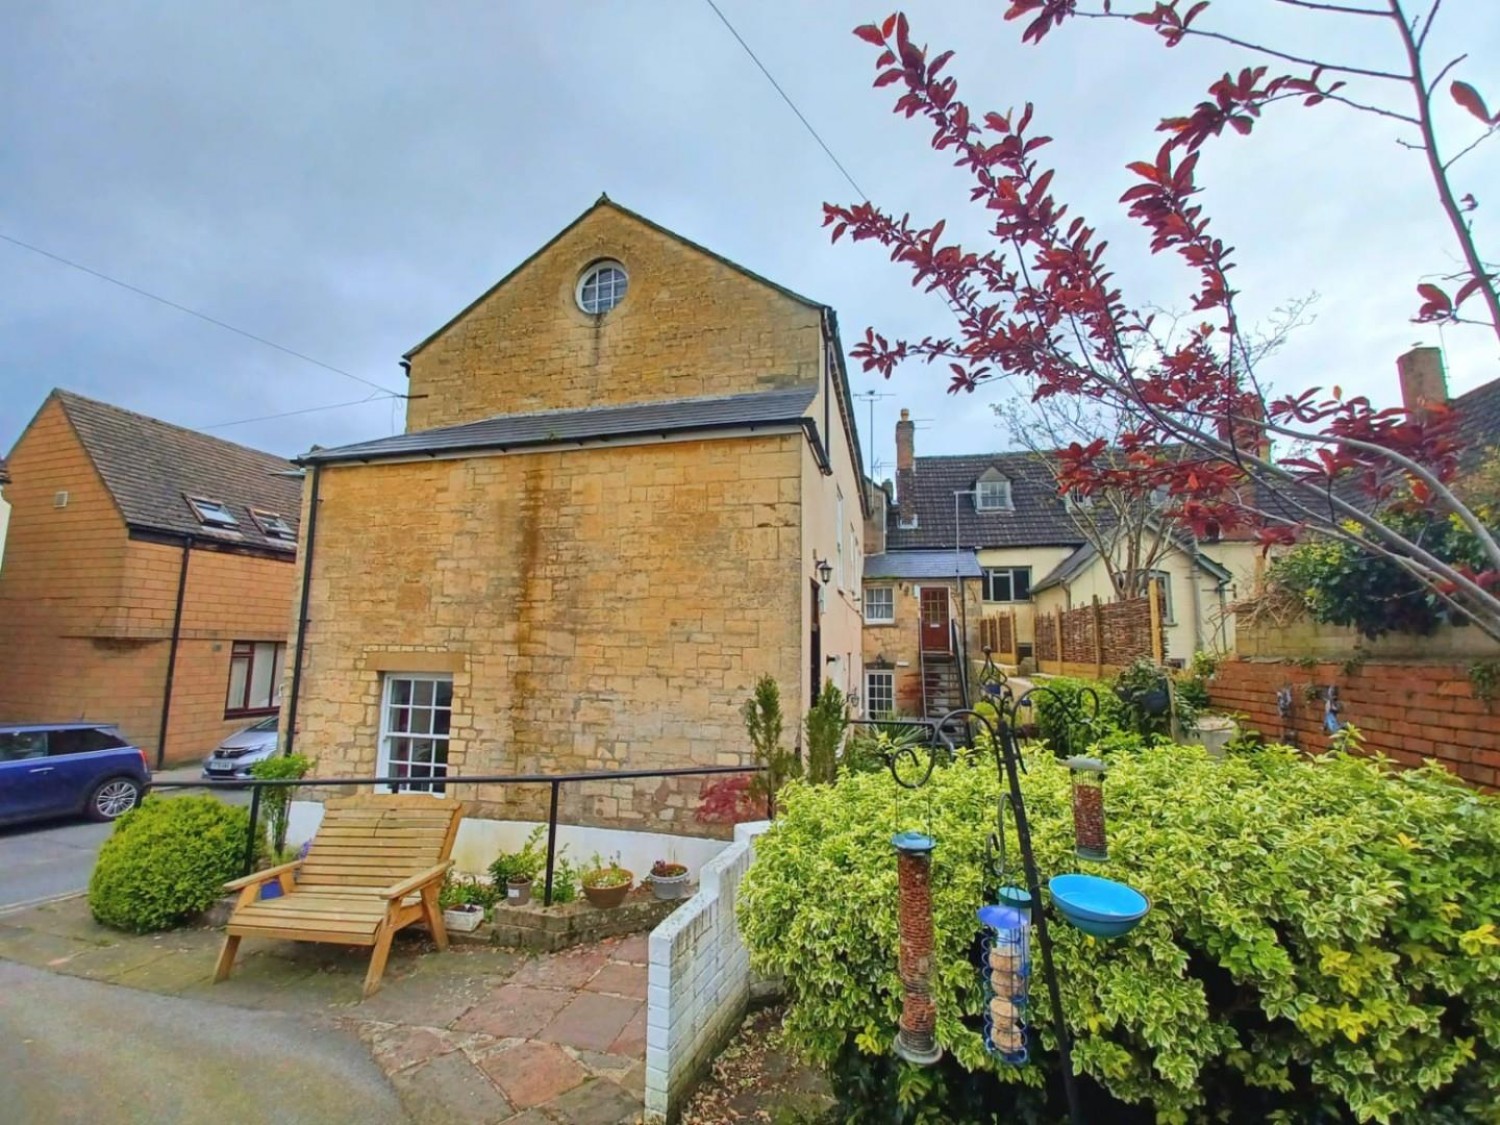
[[1322, 943], [1341, 583], [166, 861]]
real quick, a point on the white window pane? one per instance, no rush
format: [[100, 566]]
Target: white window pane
[[261, 672], [239, 669]]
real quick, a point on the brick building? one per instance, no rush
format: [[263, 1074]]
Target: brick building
[[147, 579], [628, 488]]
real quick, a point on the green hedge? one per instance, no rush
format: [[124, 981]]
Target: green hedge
[[166, 861], [1322, 944]]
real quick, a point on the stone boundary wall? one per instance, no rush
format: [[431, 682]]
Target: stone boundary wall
[[699, 980], [1409, 712]]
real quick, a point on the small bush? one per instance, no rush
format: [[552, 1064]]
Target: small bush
[[1322, 944], [166, 861], [525, 864], [1071, 715]]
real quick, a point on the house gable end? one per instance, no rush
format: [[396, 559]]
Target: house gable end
[[690, 324]]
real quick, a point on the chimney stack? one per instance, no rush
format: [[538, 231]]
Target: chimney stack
[[1423, 381], [906, 470]]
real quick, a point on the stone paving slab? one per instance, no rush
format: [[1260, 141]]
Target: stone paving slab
[[476, 1035]]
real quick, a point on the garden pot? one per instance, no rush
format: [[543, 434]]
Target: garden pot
[[271, 889], [607, 898], [517, 892], [1154, 701], [465, 919], [668, 887]]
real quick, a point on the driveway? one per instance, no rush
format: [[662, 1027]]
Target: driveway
[[50, 858], [81, 1051]]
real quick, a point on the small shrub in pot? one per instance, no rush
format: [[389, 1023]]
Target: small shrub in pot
[[514, 872], [606, 884], [668, 879]]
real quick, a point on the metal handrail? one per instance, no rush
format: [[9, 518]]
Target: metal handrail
[[555, 780]]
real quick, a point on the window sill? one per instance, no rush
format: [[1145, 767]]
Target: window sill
[[879, 624], [252, 713]]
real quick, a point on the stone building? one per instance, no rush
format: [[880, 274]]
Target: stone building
[[147, 579], [628, 488]]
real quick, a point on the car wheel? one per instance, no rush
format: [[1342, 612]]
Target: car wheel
[[113, 798]]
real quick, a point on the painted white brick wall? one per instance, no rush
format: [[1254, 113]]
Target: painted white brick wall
[[699, 978]]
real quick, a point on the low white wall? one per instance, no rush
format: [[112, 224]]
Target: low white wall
[[480, 841], [699, 978]]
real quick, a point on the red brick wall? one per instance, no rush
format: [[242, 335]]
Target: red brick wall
[[1409, 712]]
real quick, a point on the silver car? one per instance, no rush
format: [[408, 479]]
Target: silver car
[[232, 758]]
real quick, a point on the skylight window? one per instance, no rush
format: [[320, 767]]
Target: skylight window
[[214, 513], [275, 526]]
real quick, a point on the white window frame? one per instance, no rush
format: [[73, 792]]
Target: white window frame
[[986, 585], [888, 691], [983, 504], [616, 290], [869, 620], [388, 764]]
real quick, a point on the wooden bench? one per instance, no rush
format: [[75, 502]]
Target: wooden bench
[[375, 866]]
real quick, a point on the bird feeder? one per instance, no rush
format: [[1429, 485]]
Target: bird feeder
[[1088, 808], [916, 1041], [1006, 977]]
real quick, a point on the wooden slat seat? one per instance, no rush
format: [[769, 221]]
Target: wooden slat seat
[[375, 866]]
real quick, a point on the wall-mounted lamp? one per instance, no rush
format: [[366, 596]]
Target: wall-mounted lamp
[[825, 570]]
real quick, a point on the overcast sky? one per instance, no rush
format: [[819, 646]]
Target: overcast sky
[[343, 177]]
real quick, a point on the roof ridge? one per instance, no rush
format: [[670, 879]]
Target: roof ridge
[[64, 395]]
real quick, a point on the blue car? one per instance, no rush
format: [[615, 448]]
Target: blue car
[[64, 769]]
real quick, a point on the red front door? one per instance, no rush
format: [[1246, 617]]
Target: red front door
[[935, 632]]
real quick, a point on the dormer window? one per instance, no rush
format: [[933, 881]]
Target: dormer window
[[602, 287], [992, 492], [1076, 498], [273, 525], [212, 513]]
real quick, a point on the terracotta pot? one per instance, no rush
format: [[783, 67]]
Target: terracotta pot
[[607, 898], [517, 892]]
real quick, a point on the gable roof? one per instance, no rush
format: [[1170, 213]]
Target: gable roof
[[1037, 518], [606, 201], [543, 428], [150, 467], [1073, 567]]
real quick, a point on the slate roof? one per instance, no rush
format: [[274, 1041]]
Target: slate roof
[[150, 467], [923, 564], [1038, 518], [1478, 422], [596, 423]]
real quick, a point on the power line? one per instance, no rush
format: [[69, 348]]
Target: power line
[[194, 312], [787, 98], [304, 410]]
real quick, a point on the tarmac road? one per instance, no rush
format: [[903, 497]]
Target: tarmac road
[[81, 1051]]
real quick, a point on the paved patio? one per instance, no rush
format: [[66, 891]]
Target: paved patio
[[477, 1034]]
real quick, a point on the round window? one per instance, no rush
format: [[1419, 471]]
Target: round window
[[602, 287]]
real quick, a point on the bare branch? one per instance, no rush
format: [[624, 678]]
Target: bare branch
[[1470, 147], [1258, 48], [1335, 8]]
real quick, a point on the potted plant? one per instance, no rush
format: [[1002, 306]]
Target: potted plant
[[515, 871], [668, 880], [462, 901], [605, 885]]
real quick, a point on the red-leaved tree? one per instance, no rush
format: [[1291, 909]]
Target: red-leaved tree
[[1041, 303]]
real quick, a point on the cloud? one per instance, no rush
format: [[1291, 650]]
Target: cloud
[[342, 178]]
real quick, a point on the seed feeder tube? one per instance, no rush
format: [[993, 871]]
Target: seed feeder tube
[[916, 1041], [1088, 808], [1006, 977]]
